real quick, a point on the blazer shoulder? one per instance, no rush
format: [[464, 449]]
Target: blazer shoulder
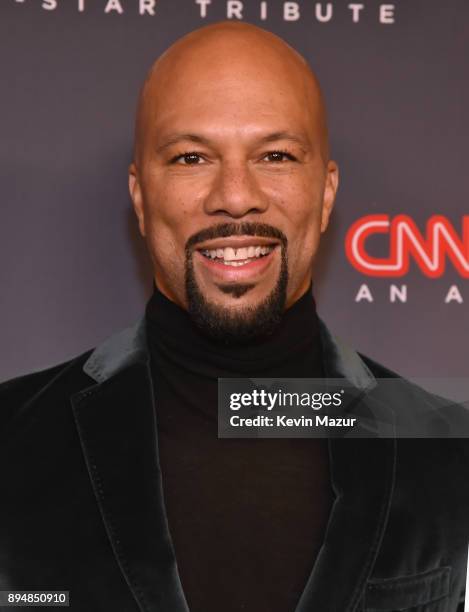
[[378, 369], [19, 391], [427, 413]]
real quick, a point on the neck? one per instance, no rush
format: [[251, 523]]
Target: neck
[[292, 350]]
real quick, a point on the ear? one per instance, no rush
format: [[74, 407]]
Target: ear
[[330, 190], [136, 195]]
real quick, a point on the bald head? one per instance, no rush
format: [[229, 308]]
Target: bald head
[[233, 55]]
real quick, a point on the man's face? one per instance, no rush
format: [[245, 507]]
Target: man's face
[[232, 192]]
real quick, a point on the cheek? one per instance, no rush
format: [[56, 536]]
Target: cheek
[[169, 211], [165, 219], [301, 211], [164, 204]]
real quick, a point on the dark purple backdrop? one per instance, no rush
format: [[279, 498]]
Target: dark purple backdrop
[[73, 266]]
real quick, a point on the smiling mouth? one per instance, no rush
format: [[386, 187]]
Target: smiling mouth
[[236, 257]]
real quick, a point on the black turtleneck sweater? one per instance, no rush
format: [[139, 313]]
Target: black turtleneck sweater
[[247, 517]]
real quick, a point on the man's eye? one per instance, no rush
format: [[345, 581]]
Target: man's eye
[[187, 159], [279, 156]]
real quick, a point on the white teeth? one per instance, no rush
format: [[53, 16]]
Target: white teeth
[[229, 254], [235, 263], [237, 257], [238, 254]]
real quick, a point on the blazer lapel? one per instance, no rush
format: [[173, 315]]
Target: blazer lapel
[[362, 473], [117, 428]]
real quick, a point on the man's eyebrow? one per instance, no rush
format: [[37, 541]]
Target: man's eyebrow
[[284, 135], [174, 139]]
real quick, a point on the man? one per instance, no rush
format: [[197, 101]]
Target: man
[[115, 484]]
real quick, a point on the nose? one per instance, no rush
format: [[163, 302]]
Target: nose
[[235, 192]]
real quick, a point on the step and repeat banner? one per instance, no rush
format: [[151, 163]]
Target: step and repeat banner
[[392, 275]]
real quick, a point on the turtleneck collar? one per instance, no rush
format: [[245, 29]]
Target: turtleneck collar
[[293, 350]]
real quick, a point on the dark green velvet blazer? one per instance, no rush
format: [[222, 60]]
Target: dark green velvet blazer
[[81, 506]]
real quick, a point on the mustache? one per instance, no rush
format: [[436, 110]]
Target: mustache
[[224, 230]]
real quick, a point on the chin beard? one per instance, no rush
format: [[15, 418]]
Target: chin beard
[[222, 324]]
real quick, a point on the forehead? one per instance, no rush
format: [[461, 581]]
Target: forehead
[[244, 95]]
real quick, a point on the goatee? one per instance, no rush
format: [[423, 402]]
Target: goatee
[[240, 326]]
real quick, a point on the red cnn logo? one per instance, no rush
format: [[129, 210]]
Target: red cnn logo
[[429, 252]]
